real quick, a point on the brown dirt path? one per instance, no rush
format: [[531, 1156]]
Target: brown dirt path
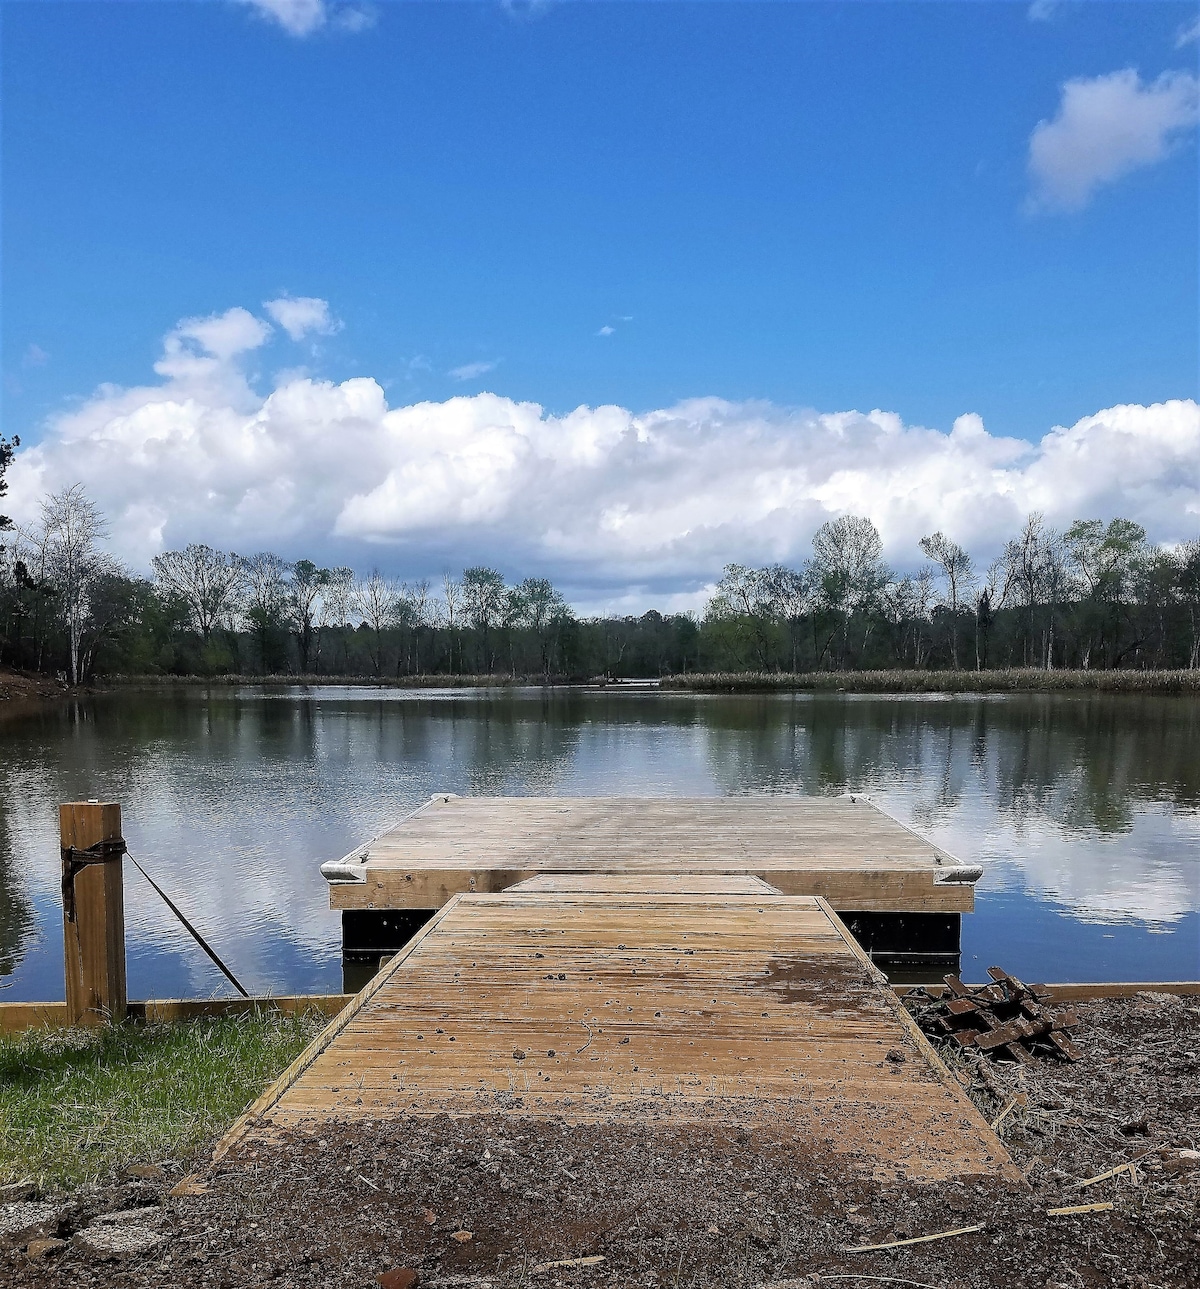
[[711, 1205]]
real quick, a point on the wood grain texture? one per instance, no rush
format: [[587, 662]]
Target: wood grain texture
[[607, 1005], [94, 941], [843, 849]]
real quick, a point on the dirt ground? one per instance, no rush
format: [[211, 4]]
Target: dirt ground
[[673, 1205], [20, 688]]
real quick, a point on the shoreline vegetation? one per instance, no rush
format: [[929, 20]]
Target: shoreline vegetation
[[883, 681], [1099, 597]]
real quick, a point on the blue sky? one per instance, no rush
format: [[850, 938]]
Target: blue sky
[[813, 205]]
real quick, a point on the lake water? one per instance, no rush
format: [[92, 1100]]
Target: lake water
[[1083, 809]]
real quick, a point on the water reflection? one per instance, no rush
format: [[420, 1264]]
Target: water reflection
[[1086, 809], [16, 911]]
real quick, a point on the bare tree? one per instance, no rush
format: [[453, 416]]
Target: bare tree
[[1038, 575], [73, 528], [336, 609], [1189, 593], [1058, 588], [421, 614], [265, 579], [377, 599], [907, 603], [847, 568], [790, 593], [959, 575], [452, 594], [207, 581]]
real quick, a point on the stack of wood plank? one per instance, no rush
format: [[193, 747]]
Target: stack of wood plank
[[1007, 1019]]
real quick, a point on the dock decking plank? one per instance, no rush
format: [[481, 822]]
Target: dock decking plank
[[601, 1004], [842, 848]]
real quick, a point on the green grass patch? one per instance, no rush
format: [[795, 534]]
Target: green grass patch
[[77, 1105]]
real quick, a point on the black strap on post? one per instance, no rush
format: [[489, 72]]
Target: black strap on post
[[187, 926], [73, 859]]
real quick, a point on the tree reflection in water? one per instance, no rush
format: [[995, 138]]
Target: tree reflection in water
[[1084, 807]]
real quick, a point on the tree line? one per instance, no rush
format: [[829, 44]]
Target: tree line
[[1097, 595]]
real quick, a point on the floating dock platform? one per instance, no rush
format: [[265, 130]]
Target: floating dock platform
[[901, 895], [638, 998]]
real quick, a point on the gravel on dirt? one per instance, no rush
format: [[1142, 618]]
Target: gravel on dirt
[[675, 1205]]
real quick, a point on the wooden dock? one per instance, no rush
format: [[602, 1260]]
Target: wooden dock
[[642, 998], [843, 849]]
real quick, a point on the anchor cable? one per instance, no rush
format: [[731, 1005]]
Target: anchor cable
[[191, 930]]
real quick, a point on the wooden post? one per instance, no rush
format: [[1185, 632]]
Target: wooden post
[[93, 915]]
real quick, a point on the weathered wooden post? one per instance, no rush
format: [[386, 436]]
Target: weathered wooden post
[[93, 911]]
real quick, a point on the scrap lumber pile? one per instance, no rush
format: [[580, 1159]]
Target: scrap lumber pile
[[1006, 1020]]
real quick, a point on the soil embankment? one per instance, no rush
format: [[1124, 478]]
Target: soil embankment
[[19, 687], [672, 1205]]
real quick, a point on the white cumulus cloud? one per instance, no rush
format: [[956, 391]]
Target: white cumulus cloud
[[1106, 127], [303, 17], [296, 17], [602, 499], [300, 315]]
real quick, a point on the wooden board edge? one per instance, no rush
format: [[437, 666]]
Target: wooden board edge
[[395, 824], [1099, 992], [16, 1017], [382, 893], [161, 1011], [241, 1126], [394, 893], [1007, 1168], [912, 832]]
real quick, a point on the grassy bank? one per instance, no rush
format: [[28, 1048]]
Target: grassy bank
[[893, 681], [75, 1105], [1016, 679]]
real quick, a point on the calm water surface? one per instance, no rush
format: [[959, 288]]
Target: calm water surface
[[1084, 809]]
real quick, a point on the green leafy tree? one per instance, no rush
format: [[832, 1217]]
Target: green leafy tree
[[1106, 559], [483, 595], [306, 587], [542, 608], [7, 448], [744, 598]]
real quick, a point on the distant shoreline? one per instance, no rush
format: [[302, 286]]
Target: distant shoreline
[[1008, 680]]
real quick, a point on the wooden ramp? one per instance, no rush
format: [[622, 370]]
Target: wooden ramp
[[842, 848], [707, 996]]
